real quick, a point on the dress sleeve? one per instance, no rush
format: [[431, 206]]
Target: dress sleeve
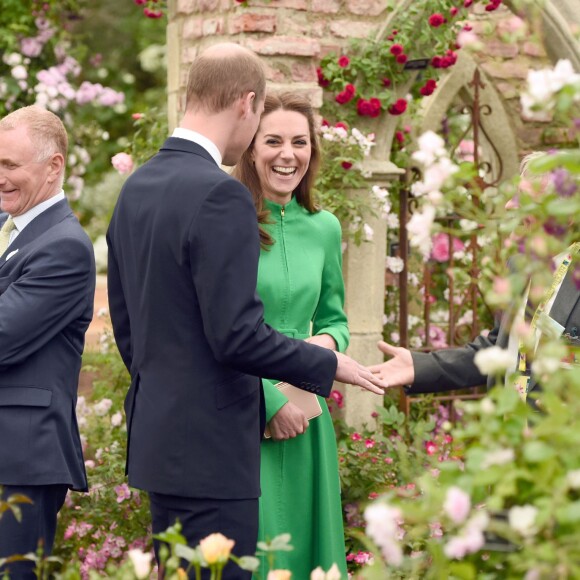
[[273, 399], [330, 317]]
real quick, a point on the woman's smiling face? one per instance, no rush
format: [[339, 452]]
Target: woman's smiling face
[[281, 153]]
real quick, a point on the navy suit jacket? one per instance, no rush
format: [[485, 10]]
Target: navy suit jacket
[[454, 368], [183, 261], [47, 285]]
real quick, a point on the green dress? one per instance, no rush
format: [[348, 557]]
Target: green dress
[[300, 282]]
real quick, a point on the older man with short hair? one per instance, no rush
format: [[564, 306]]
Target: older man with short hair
[[47, 282]]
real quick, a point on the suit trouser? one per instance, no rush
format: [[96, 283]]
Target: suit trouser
[[235, 519], [37, 526]]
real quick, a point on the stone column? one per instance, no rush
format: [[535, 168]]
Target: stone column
[[364, 272]]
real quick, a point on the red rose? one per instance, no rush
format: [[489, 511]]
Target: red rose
[[467, 3], [343, 61], [347, 165], [346, 95], [396, 49], [402, 58], [436, 62], [152, 13], [375, 107], [363, 107], [436, 20], [454, 10], [322, 80], [426, 90], [398, 107], [390, 37], [341, 125], [493, 5], [395, 32], [400, 137], [468, 27], [140, 2], [325, 123], [386, 82]]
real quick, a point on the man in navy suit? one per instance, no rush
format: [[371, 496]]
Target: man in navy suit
[[47, 281], [183, 258]]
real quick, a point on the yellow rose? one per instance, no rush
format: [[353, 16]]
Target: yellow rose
[[279, 575], [216, 548]]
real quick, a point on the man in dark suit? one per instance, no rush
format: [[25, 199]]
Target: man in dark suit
[[183, 258], [47, 281], [455, 368]]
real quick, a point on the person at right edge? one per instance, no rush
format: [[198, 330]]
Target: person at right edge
[[183, 263], [455, 368]]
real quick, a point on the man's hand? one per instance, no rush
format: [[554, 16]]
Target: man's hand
[[288, 422], [398, 371], [352, 373]]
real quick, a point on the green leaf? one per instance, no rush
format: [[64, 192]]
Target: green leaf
[[569, 513], [189, 554], [250, 563], [537, 451], [464, 570]]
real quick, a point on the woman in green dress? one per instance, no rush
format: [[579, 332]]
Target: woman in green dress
[[300, 282]]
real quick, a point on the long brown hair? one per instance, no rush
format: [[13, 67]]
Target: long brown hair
[[245, 170]]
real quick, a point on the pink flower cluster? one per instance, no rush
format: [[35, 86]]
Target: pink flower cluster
[[55, 91], [440, 249], [32, 46], [360, 558]]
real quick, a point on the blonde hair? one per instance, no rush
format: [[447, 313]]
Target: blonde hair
[[221, 75], [45, 129]]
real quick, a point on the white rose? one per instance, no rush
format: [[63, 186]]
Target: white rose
[[493, 360], [498, 457], [573, 479], [522, 519], [141, 563]]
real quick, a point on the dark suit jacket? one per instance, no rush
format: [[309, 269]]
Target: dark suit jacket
[[183, 259], [46, 304], [454, 368]]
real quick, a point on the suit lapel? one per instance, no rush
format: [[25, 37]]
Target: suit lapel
[[40, 224], [566, 300]]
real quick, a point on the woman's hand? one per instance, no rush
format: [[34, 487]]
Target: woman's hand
[[288, 422]]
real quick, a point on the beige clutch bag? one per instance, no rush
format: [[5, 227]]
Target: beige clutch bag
[[308, 402]]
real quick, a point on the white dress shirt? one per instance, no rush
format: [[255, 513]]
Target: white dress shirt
[[201, 140], [22, 220]]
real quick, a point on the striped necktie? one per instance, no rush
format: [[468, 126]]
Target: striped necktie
[[7, 228]]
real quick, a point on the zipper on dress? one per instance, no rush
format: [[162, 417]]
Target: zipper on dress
[[282, 211]]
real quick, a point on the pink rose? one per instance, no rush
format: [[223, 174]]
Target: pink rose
[[457, 504], [122, 162]]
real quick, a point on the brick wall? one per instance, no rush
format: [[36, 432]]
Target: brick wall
[[292, 35]]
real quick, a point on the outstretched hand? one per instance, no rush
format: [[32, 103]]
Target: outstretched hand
[[399, 370], [352, 373]]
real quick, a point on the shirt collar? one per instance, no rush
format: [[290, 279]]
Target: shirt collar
[[201, 140], [22, 220]]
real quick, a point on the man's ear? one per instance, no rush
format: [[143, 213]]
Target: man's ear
[[248, 101], [56, 167]]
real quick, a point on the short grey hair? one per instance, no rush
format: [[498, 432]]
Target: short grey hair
[[46, 131]]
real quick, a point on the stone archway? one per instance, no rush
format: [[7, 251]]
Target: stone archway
[[497, 126]]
